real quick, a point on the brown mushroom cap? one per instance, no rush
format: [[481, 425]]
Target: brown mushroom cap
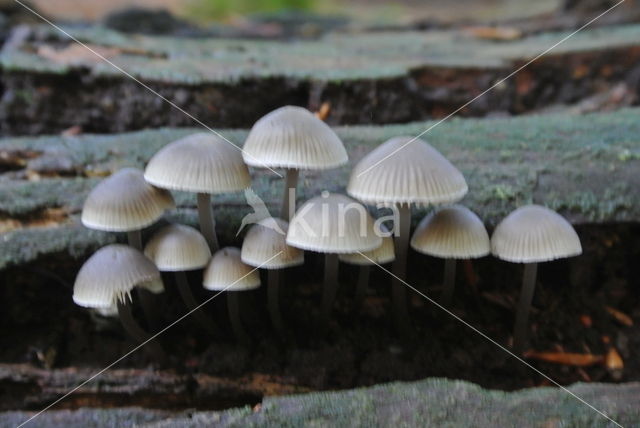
[[265, 246], [178, 248], [533, 234], [227, 272]]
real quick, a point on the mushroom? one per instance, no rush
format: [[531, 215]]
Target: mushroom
[[265, 246], [383, 254], [451, 233], [400, 172], [125, 202], [178, 248], [293, 138], [532, 234], [226, 272], [204, 164], [106, 280], [332, 224]]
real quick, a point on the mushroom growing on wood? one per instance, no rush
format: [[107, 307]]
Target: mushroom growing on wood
[[400, 172], [532, 234], [204, 164], [451, 233], [293, 138]]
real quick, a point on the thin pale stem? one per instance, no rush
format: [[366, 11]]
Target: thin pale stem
[[207, 222], [233, 306], [191, 303], [362, 285], [273, 301], [401, 232], [288, 208], [524, 305], [330, 286], [147, 300], [449, 281], [137, 333]]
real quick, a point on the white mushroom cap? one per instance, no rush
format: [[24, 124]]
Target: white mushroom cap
[[227, 272], [111, 273], [453, 232], [399, 173], [385, 253], [333, 223], [177, 248], [124, 201], [265, 246], [533, 234], [292, 137], [202, 163]]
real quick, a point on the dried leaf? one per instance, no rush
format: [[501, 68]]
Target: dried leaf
[[619, 316], [586, 320], [566, 358], [324, 111], [613, 360], [494, 33]]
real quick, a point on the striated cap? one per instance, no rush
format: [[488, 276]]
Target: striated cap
[[292, 137], [227, 272], [265, 246], [385, 253], [453, 232], [123, 202], [532, 234], [177, 247], [333, 223], [111, 273], [399, 173], [202, 163]]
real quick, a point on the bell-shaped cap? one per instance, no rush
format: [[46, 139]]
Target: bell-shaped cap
[[453, 232], [385, 253], [111, 273], [202, 163], [227, 272], [177, 248], [293, 137], [265, 246], [333, 223], [403, 172], [124, 201], [533, 234]]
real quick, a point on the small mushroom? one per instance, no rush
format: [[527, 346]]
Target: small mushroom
[[451, 233], [532, 234], [204, 164], [226, 272], [293, 138], [265, 246]]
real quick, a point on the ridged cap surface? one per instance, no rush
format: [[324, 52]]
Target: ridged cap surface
[[453, 232], [385, 253], [177, 247], [415, 173], [124, 201], [226, 269], [292, 137], [532, 234], [202, 163], [264, 241], [110, 274]]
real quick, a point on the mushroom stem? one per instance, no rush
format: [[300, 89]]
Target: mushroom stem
[[207, 222], [137, 333], [233, 306], [449, 281], [362, 285], [524, 305], [273, 301], [146, 298], [401, 232], [289, 207], [330, 286], [191, 304]]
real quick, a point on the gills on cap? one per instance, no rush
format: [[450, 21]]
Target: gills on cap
[[333, 223], [385, 253], [292, 137], [123, 202], [111, 273], [227, 272], [402, 171], [202, 163], [177, 248], [453, 232], [533, 234], [265, 246]]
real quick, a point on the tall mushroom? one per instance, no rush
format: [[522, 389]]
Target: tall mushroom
[[451, 233], [532, 234], [332, 224], [204, 164], [177, 248], [226, 272], [265, 246], [293, 138], [400, 172]]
